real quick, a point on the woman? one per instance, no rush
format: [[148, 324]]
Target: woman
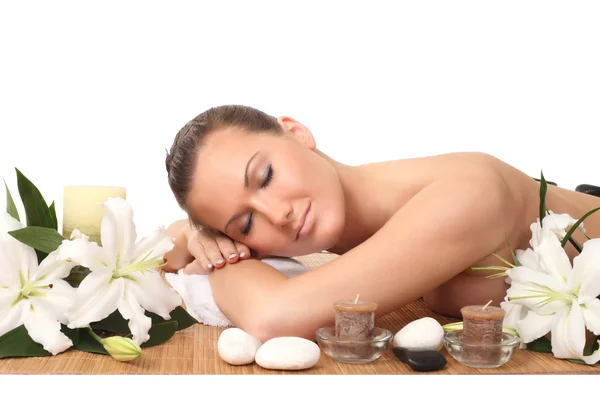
[[404, 229]]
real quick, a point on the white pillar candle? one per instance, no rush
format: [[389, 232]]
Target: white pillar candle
[[82, 208]]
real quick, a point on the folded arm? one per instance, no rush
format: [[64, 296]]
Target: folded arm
[[447, 227]]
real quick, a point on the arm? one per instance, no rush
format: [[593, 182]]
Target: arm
[[447, 227]]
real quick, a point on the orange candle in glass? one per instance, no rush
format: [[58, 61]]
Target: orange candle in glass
[[355, 319]]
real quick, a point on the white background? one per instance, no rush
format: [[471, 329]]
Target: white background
[[94, 93]]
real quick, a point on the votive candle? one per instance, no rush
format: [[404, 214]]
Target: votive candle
[[355, 319], [83, 210], [482, 324]]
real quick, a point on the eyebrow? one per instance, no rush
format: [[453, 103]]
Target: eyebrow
[[246, 184]]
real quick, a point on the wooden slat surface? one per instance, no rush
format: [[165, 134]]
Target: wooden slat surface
[[194, 351]]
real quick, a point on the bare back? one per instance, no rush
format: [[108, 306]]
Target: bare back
[[396, 182]]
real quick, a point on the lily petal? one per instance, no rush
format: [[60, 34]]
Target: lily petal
[[52, 267], [15, 256], [536, 231], [527, 276], [514, 313], [528, 258], [97, 296], [153, 294], [585, 279], [155, 245], [591, 315], [534, 326], [11, 317], [558, 223], [56, 301], [568, 334], [139, 323], [118, 231], [554, 259], [45, 330], [534, 289], [592, 358], [83, 252]]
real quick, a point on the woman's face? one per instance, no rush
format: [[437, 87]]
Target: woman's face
[[271, 192]]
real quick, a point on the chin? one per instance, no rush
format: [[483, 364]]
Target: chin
[[329, 236]]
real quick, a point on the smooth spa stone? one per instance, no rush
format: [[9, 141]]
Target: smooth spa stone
[[421, 360], [237, 347], [421, 334], [288, 353]]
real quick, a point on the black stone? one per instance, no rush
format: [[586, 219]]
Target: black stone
[[589, 189], [421, 360]]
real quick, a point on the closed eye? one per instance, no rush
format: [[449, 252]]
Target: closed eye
[[268, 176], [264, 184], [246, 229]]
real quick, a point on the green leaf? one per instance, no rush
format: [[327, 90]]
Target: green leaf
[[543, 189], [76, 276], [43, 239], [541, 345], [114, 323], [36, 208], [184, 320], [513, 254], [88, 344], [160, 333], [18, 343], [52, 210], [575, 226], [576, 244], [11, 208]]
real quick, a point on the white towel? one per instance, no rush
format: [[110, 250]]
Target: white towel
[[196, 293]]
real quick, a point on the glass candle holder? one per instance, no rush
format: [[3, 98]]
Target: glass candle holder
[[481, 355], [354, 351]]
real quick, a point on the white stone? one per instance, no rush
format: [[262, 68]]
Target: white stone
[[421, 334], [288, 353], [236, 347]]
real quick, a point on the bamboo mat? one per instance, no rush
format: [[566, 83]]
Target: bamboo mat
[[194, 351]]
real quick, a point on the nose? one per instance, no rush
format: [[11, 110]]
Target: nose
[[279, 212]]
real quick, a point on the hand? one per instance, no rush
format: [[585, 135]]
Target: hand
[[212, 250]]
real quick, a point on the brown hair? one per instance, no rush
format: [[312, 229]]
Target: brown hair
[[182, 158]]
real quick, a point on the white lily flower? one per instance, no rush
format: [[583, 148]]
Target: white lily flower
[[123, 273], [33, 295], [514, 314], [552, 223], [560, 299]]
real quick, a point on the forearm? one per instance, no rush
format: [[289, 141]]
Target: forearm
[[250, 293]]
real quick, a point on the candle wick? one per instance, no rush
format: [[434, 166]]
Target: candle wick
[[488, 303], [356, 299]]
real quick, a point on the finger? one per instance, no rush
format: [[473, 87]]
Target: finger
[[243, 250], [198, 252], [227, 248], [195, 268], [203, 260], [213, 253]]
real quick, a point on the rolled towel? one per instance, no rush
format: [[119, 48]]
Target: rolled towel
[[197, 295]]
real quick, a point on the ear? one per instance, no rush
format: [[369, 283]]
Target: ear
[[298, 131]]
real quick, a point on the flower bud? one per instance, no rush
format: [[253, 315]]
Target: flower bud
[[121, 348]]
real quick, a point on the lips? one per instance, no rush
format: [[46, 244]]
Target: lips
[[302, 221]]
